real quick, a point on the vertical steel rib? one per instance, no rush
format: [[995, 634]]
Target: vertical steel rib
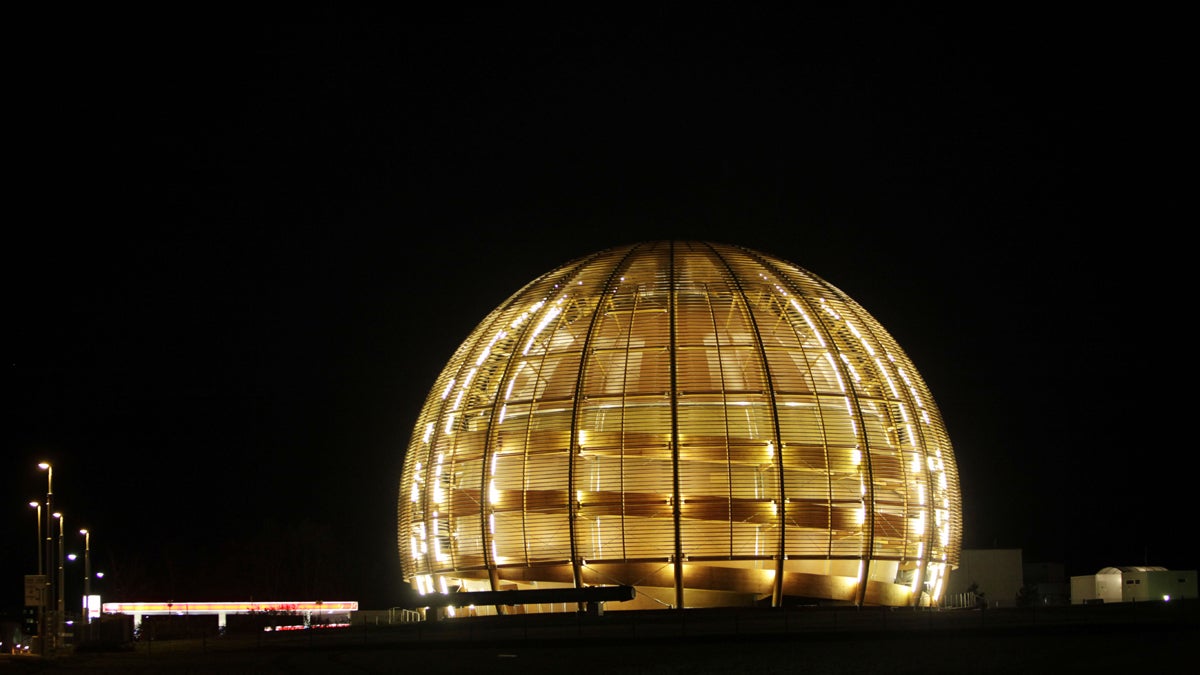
[[777, 435], [676, 513]]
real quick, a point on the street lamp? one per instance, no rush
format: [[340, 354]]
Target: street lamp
[[58, 610], [38, 506], [87, 576], [48, 596], [41, 610], [45, 466]]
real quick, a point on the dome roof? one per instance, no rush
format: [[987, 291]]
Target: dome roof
[[705, 422], [1130, 568]]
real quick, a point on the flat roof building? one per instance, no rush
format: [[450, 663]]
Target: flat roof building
[[1137, 583]]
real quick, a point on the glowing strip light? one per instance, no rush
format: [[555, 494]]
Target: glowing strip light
[[550, 314], [829, 309], [513, 381], [911, 388], [488, 350], [919, 523], [887, 378], [811, 325], [836, 373], [850, 366], [861, 339], [325, 606]]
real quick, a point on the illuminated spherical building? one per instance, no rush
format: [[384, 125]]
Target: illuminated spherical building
[[707, 423]]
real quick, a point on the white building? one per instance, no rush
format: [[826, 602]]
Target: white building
[[1133, 584], [997, 573]]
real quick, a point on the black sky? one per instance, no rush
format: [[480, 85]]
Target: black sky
[[243, 246]]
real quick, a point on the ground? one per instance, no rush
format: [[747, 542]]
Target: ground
[[1149, 637]]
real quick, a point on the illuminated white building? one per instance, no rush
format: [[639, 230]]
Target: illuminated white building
[[1135, 583], [707, 423], [310, 609]]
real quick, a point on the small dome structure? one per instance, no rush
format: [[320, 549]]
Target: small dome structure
[[705, 422]]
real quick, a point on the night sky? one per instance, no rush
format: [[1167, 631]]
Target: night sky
[[240, 249]]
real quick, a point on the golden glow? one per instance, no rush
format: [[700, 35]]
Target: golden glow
[[811, 326], [794, 431], [936, 572], [550, 315], [836, 373]]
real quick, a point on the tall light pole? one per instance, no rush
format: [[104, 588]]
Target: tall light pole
[[38, 506], [41, 610], [60, 618], [87, 576], [48, 597]]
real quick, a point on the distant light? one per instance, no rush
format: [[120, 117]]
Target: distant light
[[1166, 598], [71, 556]]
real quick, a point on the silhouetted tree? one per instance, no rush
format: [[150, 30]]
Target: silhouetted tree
[[1028, 596], [980, 600]]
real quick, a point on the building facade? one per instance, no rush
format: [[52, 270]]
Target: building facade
[[989, 576], [1133, 584]]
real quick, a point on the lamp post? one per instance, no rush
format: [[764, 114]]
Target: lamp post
[[38, 506], [41, 611], [48, 596], [60, 617], [87, 576]]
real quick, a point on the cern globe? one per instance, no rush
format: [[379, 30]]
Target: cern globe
[[707, 423]]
